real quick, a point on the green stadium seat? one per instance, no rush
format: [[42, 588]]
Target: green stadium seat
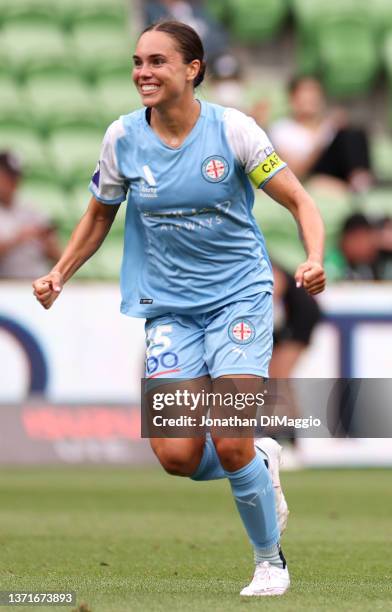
[[387, 57], [94, 43], [23, 12], [381, 153], [74, 151], [116, 96], [221, 11], [311, 15], [79, 198], [272, 216], [105, 263], [382, 17], [109, 257], [334, 208], [285, 250], [378, 202], [348, 55], [58, 96], [255, 21], [109, 15], [280, 229], [47, 197], [24, 141], [306, 14], [25, 42], [12, 100], [112, 67], [10, 8], [272, 90]]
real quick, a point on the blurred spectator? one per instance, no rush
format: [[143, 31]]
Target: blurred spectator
[[358, 256], [27, 239], [227, 82], [384, 235], [320, 143], [193, 13], [296, 314]]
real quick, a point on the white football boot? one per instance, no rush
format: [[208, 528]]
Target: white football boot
[[268, 580], [273, 450]]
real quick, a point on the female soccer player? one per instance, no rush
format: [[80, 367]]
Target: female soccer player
[[195, 264]]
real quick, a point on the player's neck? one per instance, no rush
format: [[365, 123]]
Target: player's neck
[[174, 123]]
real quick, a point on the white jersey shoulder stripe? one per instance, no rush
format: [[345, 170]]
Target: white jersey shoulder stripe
[[249, 143]]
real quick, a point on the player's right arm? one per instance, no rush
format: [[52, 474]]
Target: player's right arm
[[85, 240]]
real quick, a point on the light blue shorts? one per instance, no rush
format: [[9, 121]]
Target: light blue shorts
[[235, 339]]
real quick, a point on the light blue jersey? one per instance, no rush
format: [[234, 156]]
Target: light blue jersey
[[192, 244]]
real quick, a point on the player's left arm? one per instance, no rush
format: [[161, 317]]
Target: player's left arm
[[285, 188]]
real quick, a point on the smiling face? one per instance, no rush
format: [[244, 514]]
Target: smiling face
[[159, 73]]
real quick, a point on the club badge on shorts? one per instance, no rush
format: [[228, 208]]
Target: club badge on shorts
[[242, 331], [215, 169]]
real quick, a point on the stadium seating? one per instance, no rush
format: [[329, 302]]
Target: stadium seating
[[21, 137], [27, 41], [116, 95], [221, 11], [381, 17], [381, 154], [387, 56], [106, 263], [47, 196], [338, 40], [65, 74], [280, 231], [26, 10], [74, 151], [13, 104], [348, 55], [56, 95], [254, 21], [94, 42], [378, 203]]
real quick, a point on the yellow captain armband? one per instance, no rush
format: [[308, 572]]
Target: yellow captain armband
[[266, 169]]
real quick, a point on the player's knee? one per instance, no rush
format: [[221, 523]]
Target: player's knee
[[233, 453], [177, 461], [177, 464]]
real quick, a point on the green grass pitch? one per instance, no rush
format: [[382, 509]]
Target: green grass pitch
[[139, 540]]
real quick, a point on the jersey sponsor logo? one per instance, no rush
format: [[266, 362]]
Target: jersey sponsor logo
[[264, 170], [242, 331], [146, 190], [166, 363], [149, 176], [215, 169], [191, 220], [161, 360], [96, 175]]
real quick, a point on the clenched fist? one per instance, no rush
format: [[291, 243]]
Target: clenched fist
[[311, 276], [48, 288]]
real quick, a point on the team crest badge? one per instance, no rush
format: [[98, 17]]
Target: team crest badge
[[242, 331], [215, 169]]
